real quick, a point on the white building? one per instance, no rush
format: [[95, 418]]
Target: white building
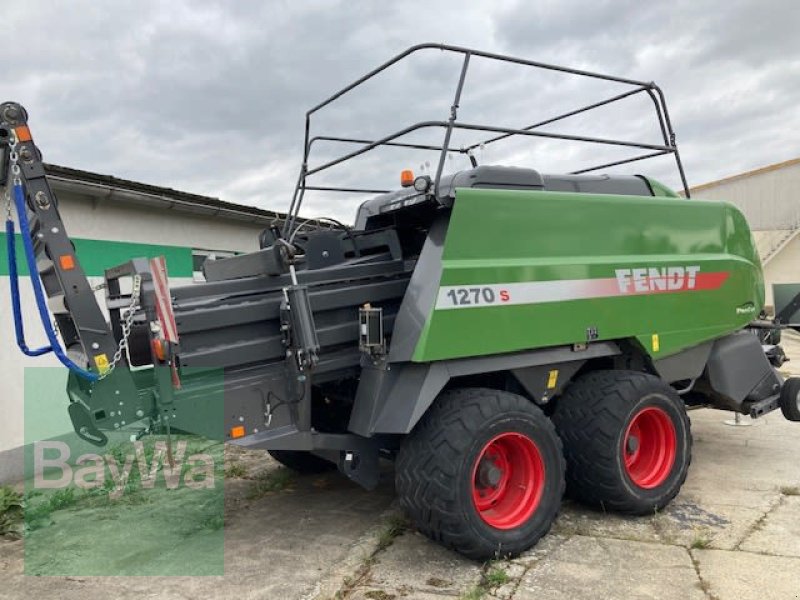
[[110, 221], [769, 197]]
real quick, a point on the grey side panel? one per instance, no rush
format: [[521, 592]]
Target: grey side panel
[[420, 295], [688, 364], [373, 206], [737, 367], [262, 262], [489, 176], [391, 398], [542, 356], [538, 383], [498, 177], [626, 185]]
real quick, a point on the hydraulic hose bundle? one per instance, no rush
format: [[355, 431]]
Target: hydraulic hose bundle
[[18, 194]]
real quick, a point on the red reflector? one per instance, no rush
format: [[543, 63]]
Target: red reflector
[[158, 349], [237, 432], [67, 262]]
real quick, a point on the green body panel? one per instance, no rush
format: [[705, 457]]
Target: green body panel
[[508, 237]]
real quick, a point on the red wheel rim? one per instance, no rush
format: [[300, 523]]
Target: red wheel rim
[[649, 447], [508, 480]]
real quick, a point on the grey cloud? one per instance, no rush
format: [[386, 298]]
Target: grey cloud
[[210, 96]]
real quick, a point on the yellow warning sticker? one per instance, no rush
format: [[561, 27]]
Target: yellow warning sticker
[[101, 360], [552, 379], [656, 344]]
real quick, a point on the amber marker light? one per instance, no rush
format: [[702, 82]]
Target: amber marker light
[[67, 262], [406, 177]]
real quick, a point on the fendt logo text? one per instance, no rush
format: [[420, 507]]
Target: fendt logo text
[[650, 279]]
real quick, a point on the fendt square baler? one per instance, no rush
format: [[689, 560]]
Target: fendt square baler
[[500, 333]]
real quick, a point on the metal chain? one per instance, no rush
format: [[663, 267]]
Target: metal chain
[[15, 171], [127, 325], [13, 158]]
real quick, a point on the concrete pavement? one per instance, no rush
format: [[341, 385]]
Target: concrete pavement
[[733, 533]]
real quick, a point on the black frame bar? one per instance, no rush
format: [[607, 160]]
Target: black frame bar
[[655, 93]]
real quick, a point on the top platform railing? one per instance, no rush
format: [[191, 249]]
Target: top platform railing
[[668, 146]]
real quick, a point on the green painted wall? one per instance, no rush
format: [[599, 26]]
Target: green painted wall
[[96, 256]]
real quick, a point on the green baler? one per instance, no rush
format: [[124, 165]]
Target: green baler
[[499, 333]]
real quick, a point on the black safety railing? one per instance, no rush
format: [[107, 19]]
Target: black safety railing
[[668, 145]]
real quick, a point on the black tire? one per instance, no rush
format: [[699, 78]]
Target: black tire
[[437, 473], [302, 462], [595, 419], [790, 399]]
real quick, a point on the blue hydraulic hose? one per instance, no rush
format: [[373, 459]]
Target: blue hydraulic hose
[[13, 276], [41, 302]]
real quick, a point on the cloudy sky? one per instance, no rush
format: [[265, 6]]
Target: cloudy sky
[[210, 96]]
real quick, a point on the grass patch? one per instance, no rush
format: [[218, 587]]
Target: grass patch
[[496, 576], [108, 493], [474, 593], [62, 499], [10, 511], [214, 522], [273, 481], [38, 514], [492, 576], [700, 542], [790, 490], [394, 528], [235, 471], [379, 595]]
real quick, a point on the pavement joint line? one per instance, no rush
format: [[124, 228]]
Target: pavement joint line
[[657, 521], [530, 567], [356, 565], [753, 552], [705, 586], [605, 536], [517, 581], [759, 523], [602, 536]]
